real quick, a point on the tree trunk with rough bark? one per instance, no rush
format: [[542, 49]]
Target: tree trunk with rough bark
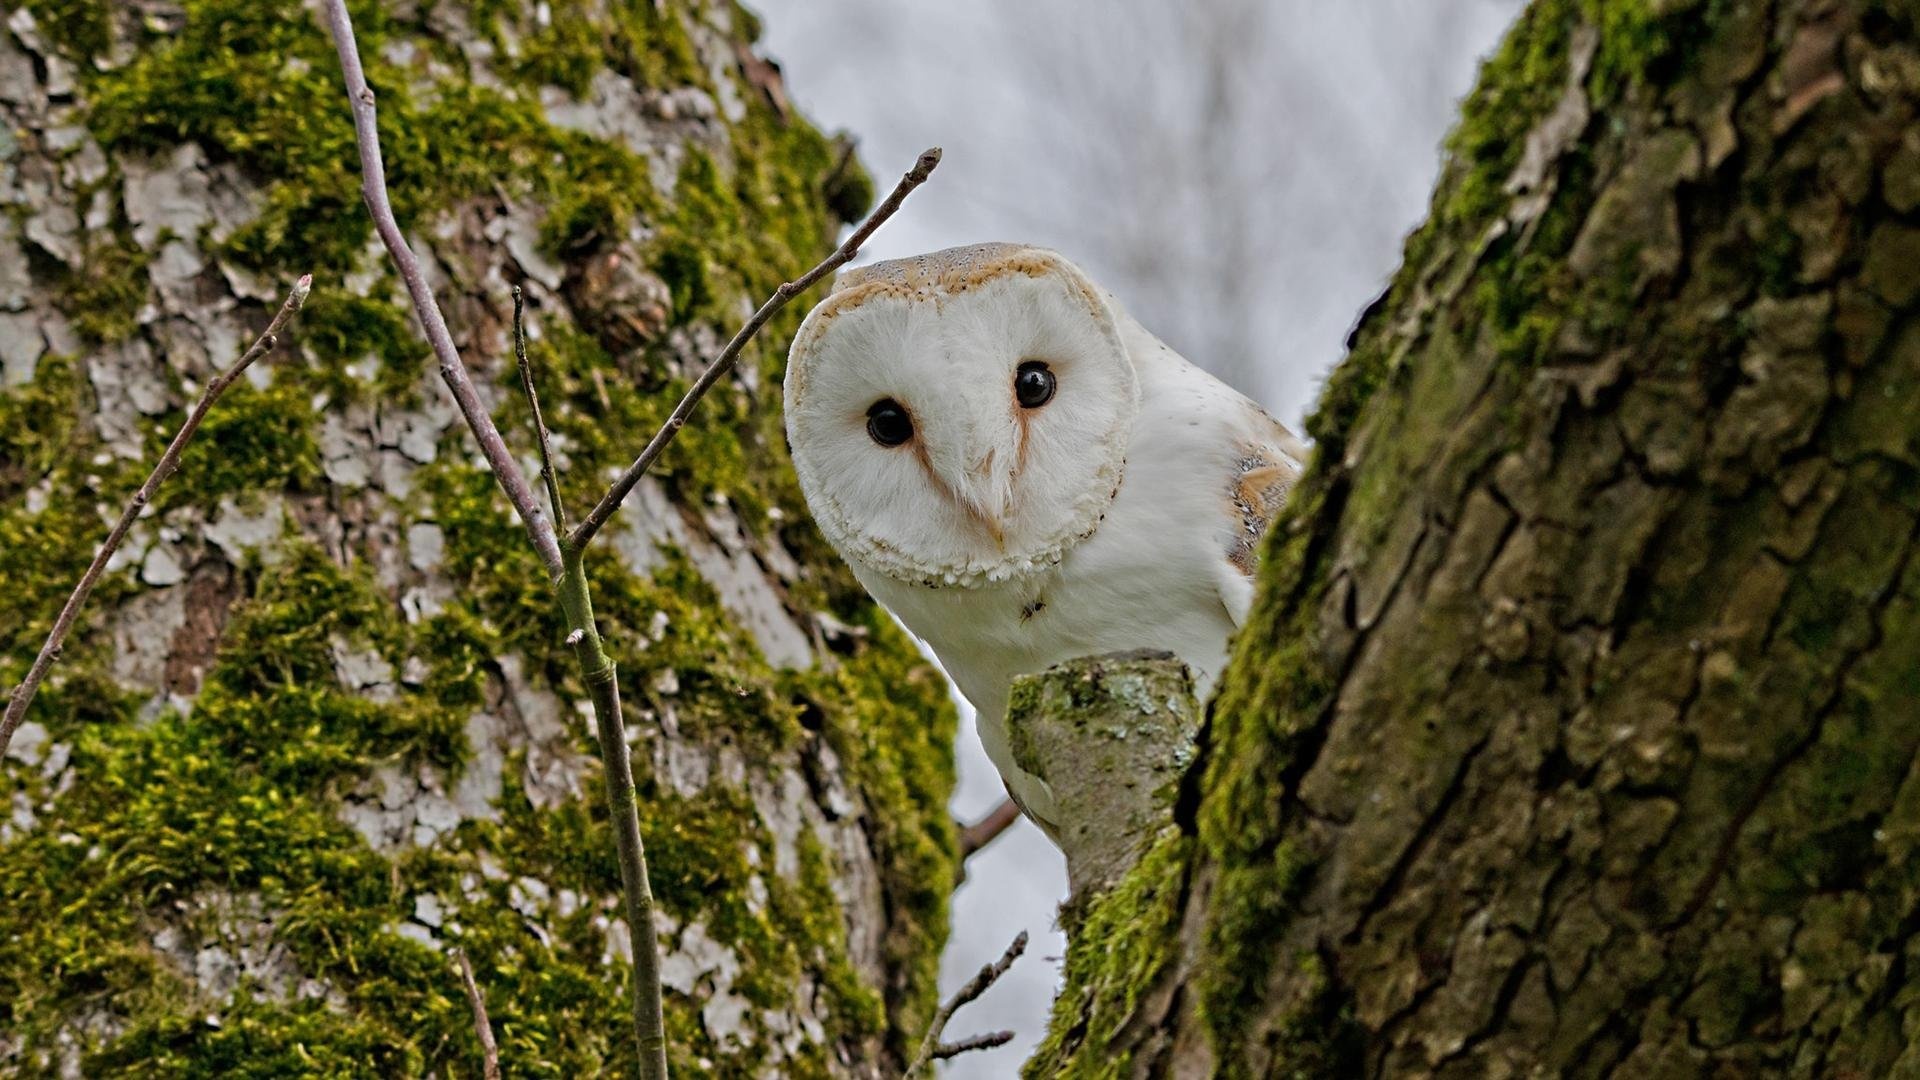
[[319, 726], [1575, 729]]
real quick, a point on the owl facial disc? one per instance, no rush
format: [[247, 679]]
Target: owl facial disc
[[961, 417]]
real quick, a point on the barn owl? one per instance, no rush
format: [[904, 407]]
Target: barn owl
[[1024, 475]]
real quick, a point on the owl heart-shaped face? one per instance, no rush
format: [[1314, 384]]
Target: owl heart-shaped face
[[960, 417]]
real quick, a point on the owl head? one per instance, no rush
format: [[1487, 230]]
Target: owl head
[[960, 417]]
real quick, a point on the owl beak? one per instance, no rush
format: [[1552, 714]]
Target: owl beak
[[989, 518], [994, 530]]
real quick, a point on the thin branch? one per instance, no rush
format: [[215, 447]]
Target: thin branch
[[988, 829], [603, 686], [373, 189], [489, 1050], [987, 976], [22, 695], [977, 1042], [533, 402], [723, 363]]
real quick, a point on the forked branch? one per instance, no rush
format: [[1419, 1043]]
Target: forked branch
[[932, 1048], [22, 695]]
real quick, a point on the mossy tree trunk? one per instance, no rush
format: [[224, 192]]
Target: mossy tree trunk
[[321, 725], [1575, 730]]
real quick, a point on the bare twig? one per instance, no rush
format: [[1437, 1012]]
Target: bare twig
[[977, 1042], [533, 403], [723, 363], [22, 695], [988, 829], [931, 1046], [373, 189], [489, 1050]]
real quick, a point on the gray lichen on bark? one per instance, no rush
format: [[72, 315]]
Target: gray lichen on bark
[[1111, 736]]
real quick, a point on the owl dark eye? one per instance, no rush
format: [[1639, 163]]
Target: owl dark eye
[[1033, 385], [889, 423]]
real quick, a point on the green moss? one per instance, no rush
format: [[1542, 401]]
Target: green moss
[[40, 425], [259, 1037], [46, 444], [1124, 943], [223, 802], [886, 714], [1489, 295], [607, 187], [1646, 43], [1522, 291], [704, 241], [808, 915], [890, 720], [644, 42], [253, 440], [708, 855], [667, 623], [567, 52], [338, 327], [1634, 39], [80, 29], [106, 291], [1251, 901], [235, 799], [705, 855], [735, 234], [609, 417], [1252, 746], [746, 23], [242, 79], [241, 797], [1318, 1037], [724, 684], [1269, 702], [1518, 85]]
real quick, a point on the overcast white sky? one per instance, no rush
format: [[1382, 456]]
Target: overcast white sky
[[1239, 172]]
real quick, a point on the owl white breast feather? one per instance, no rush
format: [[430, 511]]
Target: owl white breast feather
[[1024, 475]]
